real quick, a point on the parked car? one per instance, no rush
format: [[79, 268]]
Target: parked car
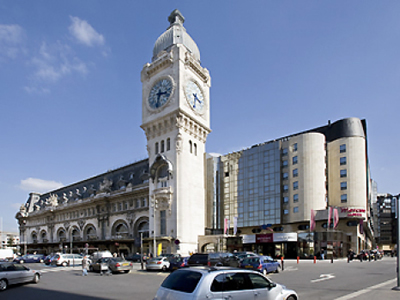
[[244, 255], [114, 264], [64, 260], [14, 273], [100, 254], [157, 263], [30, 258], [49, 258], [363, 255], [135, 257], [221, 283], [263, 264], [178, 262], [213, 259]]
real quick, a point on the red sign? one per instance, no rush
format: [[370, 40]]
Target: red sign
[[264, 238]]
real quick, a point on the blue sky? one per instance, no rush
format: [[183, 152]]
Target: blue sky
[[70, 90]]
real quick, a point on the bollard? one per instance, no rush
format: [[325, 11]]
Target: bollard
[[332, 259], [315, 259], [282, 263], [298, 258]]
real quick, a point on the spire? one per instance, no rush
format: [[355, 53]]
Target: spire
[[176, 18]]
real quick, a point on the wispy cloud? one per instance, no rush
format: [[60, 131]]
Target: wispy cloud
[[11, 41], [84, 33], [39, 185]]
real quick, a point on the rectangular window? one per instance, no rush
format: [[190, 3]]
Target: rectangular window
[[286, 212], [168, 144], [343, 173], [343, 198], [284, 163], [343, 161], [343, 185], [296, 198], [285, 187], [295, 185], [294, 160], [343, 148], [284, 151], [295, 172], [163, 222], [285, 199], [296, 209], [285, 175], [294, 147], [156, 148], [162, 146]]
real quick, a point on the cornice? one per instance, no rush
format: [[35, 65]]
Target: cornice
[[164, 60]]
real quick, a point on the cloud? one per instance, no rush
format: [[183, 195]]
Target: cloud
[[11, 40], [56, 61], [39, 185], [85, 33]]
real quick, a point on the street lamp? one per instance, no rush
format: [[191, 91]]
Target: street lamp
[[154, 205]]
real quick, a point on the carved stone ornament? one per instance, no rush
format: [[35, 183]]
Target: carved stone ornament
[[52, 201], [178, 143], [64, 198], [22, 209], [66, 225], [105, 186], [81, 223]]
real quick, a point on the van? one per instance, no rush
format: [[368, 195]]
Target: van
[[6, 254], [100, 254]]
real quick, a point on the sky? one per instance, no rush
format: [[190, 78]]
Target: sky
[[70, 89]]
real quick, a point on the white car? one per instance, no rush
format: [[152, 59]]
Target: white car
[[14, 273], [160, 263], [221, 283], [67, 259]]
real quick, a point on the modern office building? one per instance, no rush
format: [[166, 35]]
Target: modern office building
[[277, 197], [387, 222]]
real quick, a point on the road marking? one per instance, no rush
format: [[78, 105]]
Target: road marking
[[360, 292], [324, 277]]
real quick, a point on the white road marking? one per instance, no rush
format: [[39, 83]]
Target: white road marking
[[360, 292], [324, 277]]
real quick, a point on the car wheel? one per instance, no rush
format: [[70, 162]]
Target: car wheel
[[164, 268], [277, 270], [265, 272], [21, 261], [291, 297], [36, 278], [3, 284], [64, 264]]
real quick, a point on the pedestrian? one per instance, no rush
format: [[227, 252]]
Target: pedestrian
[[85, 263], [322, 254]]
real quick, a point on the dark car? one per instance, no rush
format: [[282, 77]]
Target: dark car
[[113, 264], [30, 258], [178, 262], [213, 259], [134, 257], [49, 258], [263, 264]]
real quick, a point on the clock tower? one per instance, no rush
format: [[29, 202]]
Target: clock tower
[[176, 121]]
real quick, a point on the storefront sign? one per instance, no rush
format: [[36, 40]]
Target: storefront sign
[[248, 238], [285, 237], [264, 238], [353, 212]]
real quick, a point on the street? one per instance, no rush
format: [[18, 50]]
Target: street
[[322, 280]]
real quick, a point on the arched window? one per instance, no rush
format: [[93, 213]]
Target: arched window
[[143, 228], [162, 176], [61, 235], [121, 231], [190, 147], [195, 149], [156, 148], [162, 146], [91, 233], [168, 144], [76, 235], [34, 237]]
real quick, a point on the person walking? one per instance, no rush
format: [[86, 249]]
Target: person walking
[[85, 264]]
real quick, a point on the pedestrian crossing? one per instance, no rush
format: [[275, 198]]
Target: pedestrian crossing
[[61, 269]]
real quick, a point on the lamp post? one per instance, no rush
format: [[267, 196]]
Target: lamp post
[[398, 242], [154, 205]]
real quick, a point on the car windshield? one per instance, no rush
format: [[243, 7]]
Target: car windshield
[[185, 281]]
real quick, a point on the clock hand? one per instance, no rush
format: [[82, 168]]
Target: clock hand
[[159, 93], [195, 99]]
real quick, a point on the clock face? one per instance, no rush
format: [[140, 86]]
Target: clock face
[[194, 96], [159, 93]]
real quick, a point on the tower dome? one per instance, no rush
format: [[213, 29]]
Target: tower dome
[[175, 34]]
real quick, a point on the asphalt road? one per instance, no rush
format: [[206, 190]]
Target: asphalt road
[[322, 280]]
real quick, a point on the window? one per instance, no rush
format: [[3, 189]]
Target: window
[[342, 148], [294, 160], [343, 173], [286, 212], [295, 172], [285, 175], [296, 198], [190, 147], [284, 151], [195, 149], [295, 147], [343, 185], [156, 148], [162, 146], [144, 202], [343, 161], [295, 185], [285, 199], [168, 144], [296, 209], [343, 198], [285, 163], [163, 223], [285, 187]]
